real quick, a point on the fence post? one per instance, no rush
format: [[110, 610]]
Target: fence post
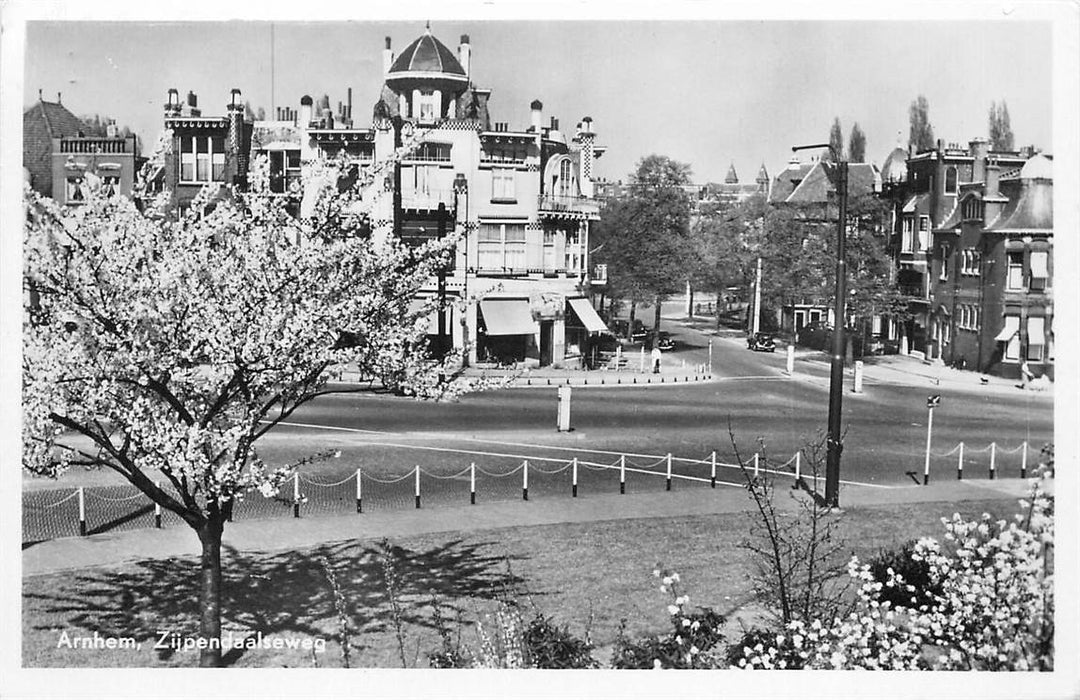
[[82, 512], [296, 494], [668, 471], [960, 463], [525, 481], [756, 473], [472, 483], [622, 474], [798, 469], [575, 478], [359, 492], [417, 485], [1023, 460], [712, 479], [993, 458], [157, 509]]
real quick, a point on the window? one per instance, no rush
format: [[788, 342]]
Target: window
[[549, 249], [564, 181], [202, 159], [573, 251], [944, 263], [1015, 279], [963, 313], [75, 193], [1036, 337], [924, 233], [501, 247], [950, 180], [972, 209], [110, 185], [502, 186], [438, 152], [908, 241], [1040, 269], [972, 260], [1012, 342]]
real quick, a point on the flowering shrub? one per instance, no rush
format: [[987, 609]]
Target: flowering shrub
[[988, 606], [690, 644], [914, 570]]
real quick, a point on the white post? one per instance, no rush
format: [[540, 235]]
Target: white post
[[359, 492], [858, 376], [791, 359], [618, 358], [296, 494], [757, 298], [668, 471], [642, 370], [756, 470], [993, 458], [929, 430], [525, 481], [574, 478], [622, 474], [472, 483], [417, 485], [960, 463], [798, 468], [710, 356], [157, 509], [82, 512], [712, 478], [1023, 460], [564, 409]]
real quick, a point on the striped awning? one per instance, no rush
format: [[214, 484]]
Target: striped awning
[[507, 317], [587, 315], [1012, 327]]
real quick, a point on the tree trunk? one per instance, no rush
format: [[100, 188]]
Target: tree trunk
[[656, 315], [690, 302], [633, 314], [210, 593], [719, 298]]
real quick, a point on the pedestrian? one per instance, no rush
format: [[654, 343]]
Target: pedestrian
[[656, 356], [1026, 375]]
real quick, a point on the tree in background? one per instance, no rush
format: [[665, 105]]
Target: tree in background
[[253, 114], [836, 141], [1001, 134], [723, 251], [644, 237], [857, 145], [193, 337], [921, 133]]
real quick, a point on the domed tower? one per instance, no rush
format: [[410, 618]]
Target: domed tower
[[894, 170], [427, 78]]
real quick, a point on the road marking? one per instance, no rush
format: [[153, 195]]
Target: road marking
[[525, 444]]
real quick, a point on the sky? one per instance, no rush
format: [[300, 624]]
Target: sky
[[706, 92]]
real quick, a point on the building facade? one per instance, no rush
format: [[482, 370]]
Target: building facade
[[520, 200], [58, 155], [972, 241]]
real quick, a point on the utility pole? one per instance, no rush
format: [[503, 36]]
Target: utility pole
[[836, 375], [757, 298]]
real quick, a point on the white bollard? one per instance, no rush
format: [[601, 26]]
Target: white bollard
[[359, 492], [993, 458], [417, 485], [574, 479], [622, 474], [525, 481], [669, 471], [757, 471], [790, 360], [858, 377], [712, 478], [960, 463], [296, 494], [710, 354], [1023, 460], [157, 509], [798, 468], [82, 512], [472, 483], [564, 409]]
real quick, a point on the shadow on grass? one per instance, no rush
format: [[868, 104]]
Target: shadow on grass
[[280, 594]]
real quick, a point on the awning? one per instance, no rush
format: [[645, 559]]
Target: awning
[[1036, 330], [507, 317], [1012, 327], [587, 315], [1039, 267]]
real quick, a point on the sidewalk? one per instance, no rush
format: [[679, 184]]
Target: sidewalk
[[77, 553]]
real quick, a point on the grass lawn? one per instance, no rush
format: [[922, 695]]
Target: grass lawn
[[583, 575]]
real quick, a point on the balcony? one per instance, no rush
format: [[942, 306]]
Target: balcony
[[568, 206], [96, 145], [428, 200]]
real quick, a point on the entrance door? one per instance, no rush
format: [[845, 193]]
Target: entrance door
[[547, 340]]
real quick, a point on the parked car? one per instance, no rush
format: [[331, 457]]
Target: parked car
[[761, 342], [619, 327], [816, 335], [640, 332], [664, 341]]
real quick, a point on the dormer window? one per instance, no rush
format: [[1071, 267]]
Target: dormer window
[[950, 180], [428, 111], [973, 209]]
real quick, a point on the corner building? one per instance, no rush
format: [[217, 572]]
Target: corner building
[[521, 200]]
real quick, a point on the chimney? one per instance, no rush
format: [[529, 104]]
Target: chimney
[[193, 104], [327, 118], [172, 104], [588, 140], [235, 105], [387, 58], [537, 108], [58, 101], [110, 129], [586, 125], [979, 148], [348, 113], [464, 53], [236, 173], [554, 124], [305, 111], [993, 176]]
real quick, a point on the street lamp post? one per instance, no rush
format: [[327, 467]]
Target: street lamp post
[[461, 189], [836, 375]]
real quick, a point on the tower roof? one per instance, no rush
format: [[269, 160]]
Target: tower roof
[[732, 177], [428, 55], [895, 167]]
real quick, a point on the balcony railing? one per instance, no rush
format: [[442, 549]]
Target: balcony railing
[[567, 203], [95, 145], [427, 199]]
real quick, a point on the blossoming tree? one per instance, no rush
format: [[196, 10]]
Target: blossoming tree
[[164, 348]]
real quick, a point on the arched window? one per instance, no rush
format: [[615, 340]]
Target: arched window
[[565, 178], [950, 180]]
